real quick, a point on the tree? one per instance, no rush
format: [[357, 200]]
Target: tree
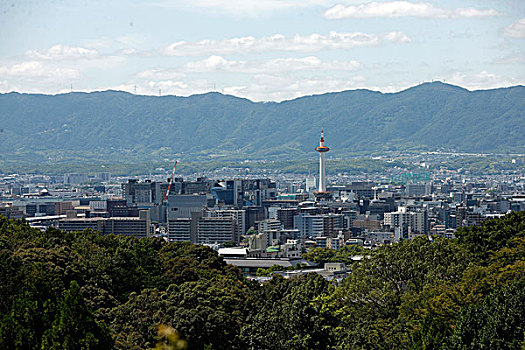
[[344, 255], [492, 235], [380, 304], [74, 326], [289, 318], [496, 323], [59, 290]]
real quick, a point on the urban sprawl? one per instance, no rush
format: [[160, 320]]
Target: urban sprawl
[[257, 221]]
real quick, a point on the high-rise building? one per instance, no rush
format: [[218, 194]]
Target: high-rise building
[[309, 225], [310, 184], [181, 205], [215, 230], [104, 177], [418, 189], [269, 225], [75, 178], [254, 215], [179, 229], [416, 220], [128, 226], [244, 192], [285, 216], [238, 215]]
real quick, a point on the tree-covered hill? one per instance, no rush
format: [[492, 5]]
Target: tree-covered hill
[[119, 126], [87, 291]]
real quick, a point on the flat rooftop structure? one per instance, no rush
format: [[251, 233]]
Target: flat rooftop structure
[[45, 218], [249, 266], [115, 218], [128, 226], [233, 252], [327, 275], [265, 263]]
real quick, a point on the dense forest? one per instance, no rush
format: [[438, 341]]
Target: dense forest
[[116, 127], [87, 291]]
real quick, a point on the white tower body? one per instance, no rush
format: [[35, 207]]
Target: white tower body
[[322, 149], [322, 173]]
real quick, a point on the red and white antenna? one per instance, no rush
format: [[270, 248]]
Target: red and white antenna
[[171, 181]]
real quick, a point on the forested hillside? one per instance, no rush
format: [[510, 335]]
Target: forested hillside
[[84, 290], [118, 126]]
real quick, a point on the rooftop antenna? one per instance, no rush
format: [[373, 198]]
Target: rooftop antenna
[[71, 87], [160, 92], [135, 89]]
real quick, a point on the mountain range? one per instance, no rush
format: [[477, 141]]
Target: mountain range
[[119, 126]]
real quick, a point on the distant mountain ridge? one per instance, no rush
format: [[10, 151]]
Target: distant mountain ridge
[[120, 126]]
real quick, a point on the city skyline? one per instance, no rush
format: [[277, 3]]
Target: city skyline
[[163, 183], [265, 50]]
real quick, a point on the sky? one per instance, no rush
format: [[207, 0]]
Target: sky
[[263, 50]]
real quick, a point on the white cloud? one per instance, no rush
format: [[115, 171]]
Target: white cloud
[[278, 87], [63, 52], [215, 63], [54, 69], [37, 77], [516, 29], [308, 64], [174, 87], [279, 42], [242, 7], [103, 42], [130, 52], [403, 9], [263, 87], [471, 12], [81, 57], [34, 70], [397, 37], [274, 79], [161, 74], [62, 57], [482, 80], [278, 65], [124, 45], [127, 52]]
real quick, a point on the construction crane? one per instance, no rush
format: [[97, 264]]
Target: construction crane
[[168, 191], [170, 182]]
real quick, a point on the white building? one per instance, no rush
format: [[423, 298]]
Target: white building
[[237, 214], [309, 225], [415, 220], [269, 225]]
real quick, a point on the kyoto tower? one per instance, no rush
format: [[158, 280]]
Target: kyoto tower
[[322, 149]]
